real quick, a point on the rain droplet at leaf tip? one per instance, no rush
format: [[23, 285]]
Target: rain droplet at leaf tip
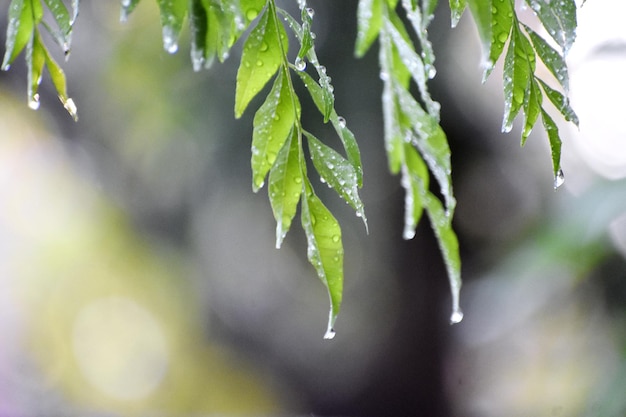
[[456, 317]]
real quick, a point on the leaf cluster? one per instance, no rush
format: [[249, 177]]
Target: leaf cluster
[[416, 145]]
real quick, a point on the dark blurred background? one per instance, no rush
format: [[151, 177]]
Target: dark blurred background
[[138, 269]]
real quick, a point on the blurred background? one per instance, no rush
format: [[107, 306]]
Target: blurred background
[[138, 274]]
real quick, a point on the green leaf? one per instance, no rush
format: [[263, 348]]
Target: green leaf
[[347, 137], [457, 7], [198, 22], [393, 135], [324, 250], [555, 142], [420, 20], [560, 102], [449, 247], [559, 19], [172, 16], [35, 61], [58, 79], [369, 21], [415, 177], [519, 65], [532, 108], [337, 172], [285, 185], [127, 8], [272, 126], [413, 63], [551, 58], [64, 21], [262, 54], [431, 141], [19, 30], [494, 20]]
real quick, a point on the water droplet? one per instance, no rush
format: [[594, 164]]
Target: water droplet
[[518, 95], [259, 63], [170, 43], [336, 238], [251, 14], [297, 180], [330, 334], [33, 102], [432, 71], [71, 108], [310, 12], [341, 121], [259, 181], [300, 64], [456, 316], [502, 37], [384, 75], [559, 179], [263, 47]]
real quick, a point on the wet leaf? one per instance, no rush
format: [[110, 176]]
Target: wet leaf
[[285, 185], [262, 55], [324, 249], [415, 177], [64, 22], [519, 66], [198, 23], [494, 20], [369, 21], [457, 7], [172, 17], [532, 109], [273, 122], [19, 30], [337, 172], [560, 102], [35, 61], [551, 58], [58, 79], [555, 141], [347, 137], [559, 19]]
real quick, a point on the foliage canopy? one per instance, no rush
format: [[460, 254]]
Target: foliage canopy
[[416, 145]]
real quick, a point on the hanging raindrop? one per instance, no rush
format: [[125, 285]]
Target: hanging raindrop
[[341, 121], [456, 316], [300, 64], [559, 179]]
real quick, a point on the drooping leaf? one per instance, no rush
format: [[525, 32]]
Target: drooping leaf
[[555, 141], [35, 61], [324, 249], [198, 23], [19, 30], [532, 109], [347, 137], [494, 20], [431, 141], [449, 247], [128, 6], [337, 172], [58, 79], [420, 19], [272, 126], [415, 177], [393, 135], [285, 185], [559, 19], [457, 7], [414, 64], [261, 57], [172, 17], [62, 17], [369, 20], [560, 102], [519, 65], [551, 58]]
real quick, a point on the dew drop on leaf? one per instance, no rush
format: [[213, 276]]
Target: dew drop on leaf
[[310, 12], [71, 108], [300, 64], [170, 44], [251, 14], [559, 179], [341, 121]]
